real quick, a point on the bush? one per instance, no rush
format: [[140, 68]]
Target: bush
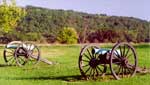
[[67, 35], [28, 36], [103, 36], [50, 38]]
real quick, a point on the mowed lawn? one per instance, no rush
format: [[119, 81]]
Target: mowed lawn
[[65, 71]]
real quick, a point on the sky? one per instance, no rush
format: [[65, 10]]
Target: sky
[[131, 8]]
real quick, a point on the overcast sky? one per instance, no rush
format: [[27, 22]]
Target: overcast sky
[[131, 8]]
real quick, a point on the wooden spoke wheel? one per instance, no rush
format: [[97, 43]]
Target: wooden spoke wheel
[[8, 53], [89, 63], [123, 61], [29, 54]]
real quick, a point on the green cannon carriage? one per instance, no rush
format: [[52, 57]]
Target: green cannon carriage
[[121, 59]]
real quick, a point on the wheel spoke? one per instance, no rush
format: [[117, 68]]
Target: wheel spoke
[[86, 56], [85, 65], [10, 55], [129, 70], [127, 52], [10, 51], [116, 66], [29, 46], [123, 55], [129, 55], [125, 71], [97, 72], [122, 72], [117, 63], [99, 69], [93, 73], [89, 53], [120, 50], [117, 54], [85, 60], [10, 59], [87, 70], [95, 55], [91, 70], [92, 51], [12, 62], [21, 59], [119, 69]]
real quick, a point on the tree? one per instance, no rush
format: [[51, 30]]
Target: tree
[[10, 14], [67, 35]]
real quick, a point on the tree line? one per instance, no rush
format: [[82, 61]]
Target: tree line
[[46, 25]]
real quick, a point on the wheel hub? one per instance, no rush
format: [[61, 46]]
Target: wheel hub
[[93, 62], [124, 62]]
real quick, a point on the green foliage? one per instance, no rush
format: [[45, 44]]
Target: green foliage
[[67, 35], [29, 37], [9, 16], [13, 35], [100, 27], [50, 22]]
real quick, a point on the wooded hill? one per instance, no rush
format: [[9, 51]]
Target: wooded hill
[[44, 25]]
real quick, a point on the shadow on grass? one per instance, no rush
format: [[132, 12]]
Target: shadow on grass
[[5, 65], [64, 78], [72, 78]]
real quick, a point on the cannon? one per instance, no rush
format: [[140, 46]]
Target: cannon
[[121, 59], [21, 53]]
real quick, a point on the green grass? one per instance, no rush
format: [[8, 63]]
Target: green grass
[[66, 71]]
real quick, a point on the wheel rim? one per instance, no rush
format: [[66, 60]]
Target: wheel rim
[[89, 64], [123, 61]]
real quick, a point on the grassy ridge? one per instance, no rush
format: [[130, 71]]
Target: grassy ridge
[[66, 70]]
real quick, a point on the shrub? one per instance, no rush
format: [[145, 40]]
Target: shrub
[[28, 36], [50, 38], [67, 35]]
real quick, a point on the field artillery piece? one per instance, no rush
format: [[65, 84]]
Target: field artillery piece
[[122, 60], [19, 53]]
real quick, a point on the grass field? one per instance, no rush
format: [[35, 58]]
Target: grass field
[[66, 71]]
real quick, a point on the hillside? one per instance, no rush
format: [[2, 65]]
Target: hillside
[[43, 25]]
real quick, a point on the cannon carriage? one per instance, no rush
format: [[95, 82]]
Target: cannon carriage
[[21, 53], [121, 59]]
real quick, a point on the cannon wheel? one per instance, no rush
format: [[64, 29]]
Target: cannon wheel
[[8, 53], [32, 54], [123, 61], [88, 63]]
